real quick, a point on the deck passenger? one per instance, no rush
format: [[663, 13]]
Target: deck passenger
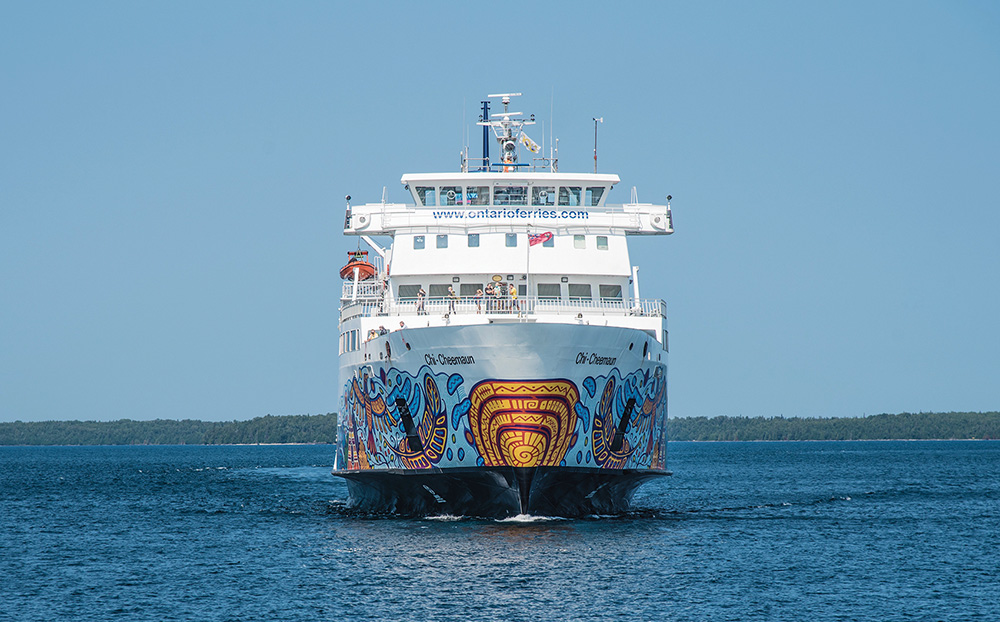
[[421, 294]]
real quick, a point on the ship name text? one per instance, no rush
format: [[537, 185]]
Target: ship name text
[[590, 358], [441, 359]]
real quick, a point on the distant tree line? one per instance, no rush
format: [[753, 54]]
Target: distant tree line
[[268, 429], [950, 425], [323, 429]]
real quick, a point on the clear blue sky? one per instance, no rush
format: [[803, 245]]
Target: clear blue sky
[[172, 178]]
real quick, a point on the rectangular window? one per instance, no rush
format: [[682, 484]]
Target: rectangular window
[[594, 195], [511, 240], [510, 195], [548, 291], [478, 195], [425, 194], [579, 241], [450, 195], [549, 243], [611, 293], [473, 240], [522, 290], [579, 291], [602, 242], [418, 242], [543, 195], [442, 241], [469, 289], [408, 292], [569, 195], [438, 291]]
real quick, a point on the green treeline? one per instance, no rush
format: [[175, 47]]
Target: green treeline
[[875, 427], [269, 429], [323, 429]]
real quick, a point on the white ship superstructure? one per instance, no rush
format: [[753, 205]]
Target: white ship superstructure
[[496, 357]]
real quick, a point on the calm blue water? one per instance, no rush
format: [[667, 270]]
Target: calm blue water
[[742, 531]]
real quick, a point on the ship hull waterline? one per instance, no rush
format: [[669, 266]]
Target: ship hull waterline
[[498, 492]]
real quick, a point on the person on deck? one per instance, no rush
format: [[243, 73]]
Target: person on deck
[[421, 294]]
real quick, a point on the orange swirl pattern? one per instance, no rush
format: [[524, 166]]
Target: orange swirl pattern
[[523, 423]]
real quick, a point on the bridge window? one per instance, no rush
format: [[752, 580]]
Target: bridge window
[[579, 292], [478, 195], [569, 195], [418, 242], [450, 195], [510, 195], [473, 240], [511, 240], [543, 195], [579, 241], [602, 242], [594, 195], [425, 194], [442, 241]]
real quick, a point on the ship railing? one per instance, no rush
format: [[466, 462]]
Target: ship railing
[[503, 307], [371, 289]]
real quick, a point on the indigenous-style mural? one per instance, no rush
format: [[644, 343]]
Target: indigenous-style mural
[[398, 420]]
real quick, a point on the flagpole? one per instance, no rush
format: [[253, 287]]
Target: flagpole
[[527, 270]]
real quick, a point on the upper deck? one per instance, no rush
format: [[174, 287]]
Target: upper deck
[[548, 243]]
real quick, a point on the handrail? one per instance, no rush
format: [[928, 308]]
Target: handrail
[[372, 307]]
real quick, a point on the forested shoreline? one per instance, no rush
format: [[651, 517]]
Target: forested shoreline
[[323, 429], [269, 429], [903, 426]]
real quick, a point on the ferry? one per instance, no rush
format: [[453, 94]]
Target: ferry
[[496, 358]]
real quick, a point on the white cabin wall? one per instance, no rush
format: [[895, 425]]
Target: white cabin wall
[[494, 257]]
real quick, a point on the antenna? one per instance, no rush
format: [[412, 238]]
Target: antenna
[[552, 114], [596, 121], [508, 129], [484, 121]]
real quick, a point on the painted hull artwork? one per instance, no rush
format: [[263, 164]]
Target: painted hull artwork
[[520, 433]]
